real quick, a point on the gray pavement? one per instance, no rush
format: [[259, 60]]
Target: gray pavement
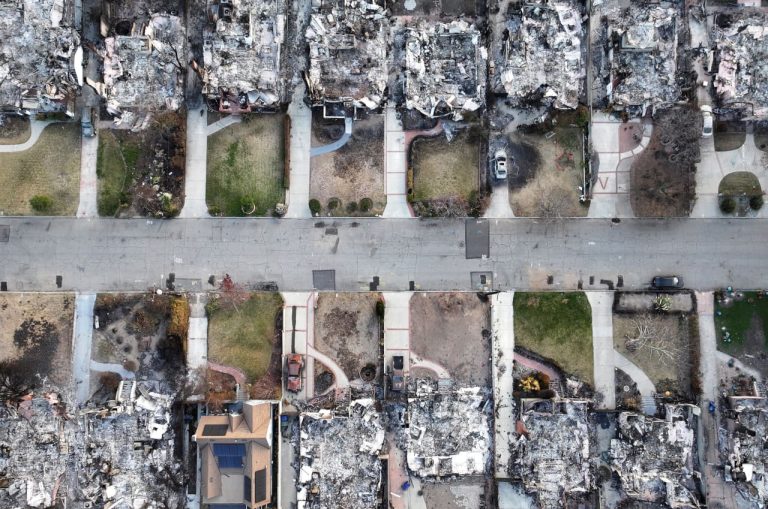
[[135, 254]]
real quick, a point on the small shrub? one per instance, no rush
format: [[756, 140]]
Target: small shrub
[[380, 306], [314, 206], [41, 203], [727, 205], [662, 303], [366, 204], [756, 202], [352, 207], [333, 203]]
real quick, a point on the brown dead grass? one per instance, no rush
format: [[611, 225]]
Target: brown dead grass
[[15, 130], [54, 309]]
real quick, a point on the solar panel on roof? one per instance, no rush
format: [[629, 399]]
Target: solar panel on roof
[[260, 484], [229, 449], [215, 430]]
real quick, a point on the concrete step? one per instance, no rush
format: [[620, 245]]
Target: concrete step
[[649, 405]]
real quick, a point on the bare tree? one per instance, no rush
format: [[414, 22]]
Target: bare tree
[[232, 294], [656, 338]]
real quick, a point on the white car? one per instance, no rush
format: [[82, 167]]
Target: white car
[[706, 111], [500, 164]]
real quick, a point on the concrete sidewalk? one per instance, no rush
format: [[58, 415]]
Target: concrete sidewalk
[[602, 346], [644, 384], [503, 346], [395, 165], [297, 197], [81, 346], [89, 186], [397, 325], [197, 342], [196, 165], [304, 337]]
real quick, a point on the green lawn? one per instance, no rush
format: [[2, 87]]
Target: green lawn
[[445, 170], [242, 337], [740, 182], [116, 170], [557, 326], [245, 167], [737, 319], [50, 168]]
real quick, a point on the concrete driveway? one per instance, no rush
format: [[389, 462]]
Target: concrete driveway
[[499, 206]]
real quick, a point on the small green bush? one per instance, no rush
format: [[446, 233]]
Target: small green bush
[[314, 206], [41, 203], [380, 309], [352, 207], [727, 205], [333, 203], [366, 204], [756, 202]]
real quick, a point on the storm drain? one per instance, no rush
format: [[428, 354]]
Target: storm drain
[[324, 279], [477, 238]]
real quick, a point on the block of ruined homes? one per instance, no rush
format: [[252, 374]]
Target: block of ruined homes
[[40, 57], [242, 50]]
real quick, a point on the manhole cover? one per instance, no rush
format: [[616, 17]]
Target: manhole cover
[[368, 373]]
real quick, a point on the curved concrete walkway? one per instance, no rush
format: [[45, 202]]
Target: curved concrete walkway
[[36, 128], [437, 369], [223, 123], [538, 366], [336, 145], [341, 378], [113, 368], [644, 384]]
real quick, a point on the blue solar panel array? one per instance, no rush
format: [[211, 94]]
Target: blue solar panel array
[[229, 455]]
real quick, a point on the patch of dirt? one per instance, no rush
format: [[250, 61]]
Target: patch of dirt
[[545, 172], [663, 176], [630, 136], [453, 330], [353, 172], [133, 333], [269, 386], [220, 389], [157, 189], [36, 334], [347, 329], [14, 129], [729, 134], [323, 378], [627, 395]]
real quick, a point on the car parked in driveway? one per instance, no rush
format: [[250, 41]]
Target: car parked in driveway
[[709, 119], [500, 164], [295, 366], [667, 282]]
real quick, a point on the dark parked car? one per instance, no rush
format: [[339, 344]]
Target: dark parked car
[[667, 282]]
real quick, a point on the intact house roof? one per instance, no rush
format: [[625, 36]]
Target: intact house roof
[[236, 456], [40, 56], [242, 54]]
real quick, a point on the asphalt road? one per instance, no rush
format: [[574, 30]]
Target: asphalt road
[[108, 254]]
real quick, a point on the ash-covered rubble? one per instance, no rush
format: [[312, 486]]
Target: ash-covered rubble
[[654, 458], [640, 63], [40, 56], [128, 451], [348, 41], [741, 60], [538, 56], [242, 55], [36, 450], [449, 431], [339, 464], [445, 67], [745, 442], [552, 451], [144, 61]]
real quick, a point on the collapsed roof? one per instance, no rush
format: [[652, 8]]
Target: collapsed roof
[[143, 62], [347, 53], [741, 41], [339, 464], [539, 57], [552, 451], [40, 57], [241, 53], [444, 68], [449, 432], [654, 457], [641, 54]]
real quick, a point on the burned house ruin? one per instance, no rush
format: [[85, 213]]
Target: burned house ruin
[[339, 464], [552, 451], [242, 55], [347, 55], [640, 61], [449, 431], [40, 58], [741, 61], [654, 458], [144, 60], [746, 447], [538, 56], [445, 67]]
